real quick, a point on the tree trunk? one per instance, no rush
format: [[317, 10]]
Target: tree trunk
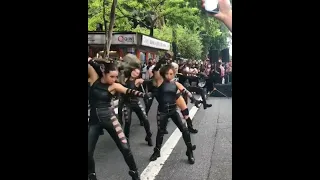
[[105, 26], [151, 31], [174, 42], [111, 24]]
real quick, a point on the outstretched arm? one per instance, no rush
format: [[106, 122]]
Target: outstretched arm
[[184, 91], [156, 69], [182, 105], [121, 89]]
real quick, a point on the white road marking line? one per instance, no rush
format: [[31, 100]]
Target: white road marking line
[[154, 167]]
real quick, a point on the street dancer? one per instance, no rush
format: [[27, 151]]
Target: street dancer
[[129, 104], [168, 97], [102, 115]]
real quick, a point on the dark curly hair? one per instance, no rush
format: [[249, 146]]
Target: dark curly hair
[[165, 69], [130, 63], [105, 67]]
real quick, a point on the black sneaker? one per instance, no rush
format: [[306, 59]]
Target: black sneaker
[[206, 106], [155, 154], [149, 140], [134, 175], [192, 130]]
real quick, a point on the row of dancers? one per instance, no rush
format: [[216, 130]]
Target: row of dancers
[[104, 85]]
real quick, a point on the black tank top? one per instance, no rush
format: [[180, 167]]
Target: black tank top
[[166, 96], [100, 97]]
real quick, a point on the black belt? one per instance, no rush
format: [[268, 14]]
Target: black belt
[[166, 108], [101, 106]]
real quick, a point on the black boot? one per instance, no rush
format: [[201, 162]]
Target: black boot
[[205, 106], [155, 154], [189, 153], [148, 139], [134, 175], [204, 101], [92, 176], [190, 126], [197, 103]]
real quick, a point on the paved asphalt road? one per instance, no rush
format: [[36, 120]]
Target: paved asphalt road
[[213, 154]]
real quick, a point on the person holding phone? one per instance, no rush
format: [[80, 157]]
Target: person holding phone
[[223, 13]]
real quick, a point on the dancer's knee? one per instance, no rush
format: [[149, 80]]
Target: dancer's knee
[[126, 150], [184, 131]]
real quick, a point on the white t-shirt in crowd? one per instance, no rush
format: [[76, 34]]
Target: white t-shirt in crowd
[[151, 68], [144, 72], [150, 71]]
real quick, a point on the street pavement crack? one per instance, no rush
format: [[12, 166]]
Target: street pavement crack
[[225, 128], [214, 144]]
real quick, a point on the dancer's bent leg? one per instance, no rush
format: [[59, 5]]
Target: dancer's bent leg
[[162, 121], [93, 136], [114, 129], [186, 136], [127, 119], [139, 110]]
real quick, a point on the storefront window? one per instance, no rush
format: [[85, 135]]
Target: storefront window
[[150, 56], [113, 55], [142, 57], [130, 50], [156, 57]]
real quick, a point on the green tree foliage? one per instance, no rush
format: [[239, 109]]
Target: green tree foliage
[[196, 32], [214, 34], [189, 43], [95, 15]]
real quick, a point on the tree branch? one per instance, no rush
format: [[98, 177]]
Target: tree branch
[[155, 19], [129, 17], [159, 3]]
